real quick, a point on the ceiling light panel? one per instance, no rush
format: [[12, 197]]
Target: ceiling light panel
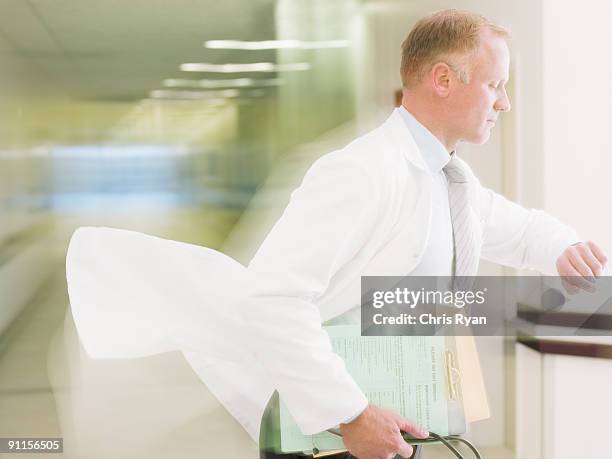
[[214, 84], [239, 68], [275, 44]]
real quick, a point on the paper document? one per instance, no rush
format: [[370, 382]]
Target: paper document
[[402, 373]]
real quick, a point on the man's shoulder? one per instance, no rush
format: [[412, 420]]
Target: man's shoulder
[[373, 151]]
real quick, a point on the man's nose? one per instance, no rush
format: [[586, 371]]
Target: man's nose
[[503, 103]]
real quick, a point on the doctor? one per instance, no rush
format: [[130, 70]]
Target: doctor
[[396, 201]]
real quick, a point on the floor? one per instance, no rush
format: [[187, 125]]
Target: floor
[[27, 403]]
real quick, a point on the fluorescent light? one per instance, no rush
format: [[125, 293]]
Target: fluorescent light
[[193, 95], [214, 84], [237, 68], [275, 44], [205, 104]]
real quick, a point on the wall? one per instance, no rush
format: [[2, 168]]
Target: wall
[[577, 91], [26, 256]]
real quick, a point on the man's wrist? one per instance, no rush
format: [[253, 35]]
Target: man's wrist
[[352, 418]]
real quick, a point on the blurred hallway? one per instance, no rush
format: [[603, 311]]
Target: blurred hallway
[[51, 389], [102, 125]]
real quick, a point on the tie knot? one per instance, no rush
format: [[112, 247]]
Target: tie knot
[[455, 172]]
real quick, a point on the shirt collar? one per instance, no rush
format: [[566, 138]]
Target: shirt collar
[[433, 152]]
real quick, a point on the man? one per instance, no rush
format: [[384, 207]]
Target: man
[[387, 204]]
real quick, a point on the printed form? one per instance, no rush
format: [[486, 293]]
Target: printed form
[[402, 373]]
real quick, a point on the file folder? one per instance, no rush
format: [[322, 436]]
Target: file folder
[[417, 376]]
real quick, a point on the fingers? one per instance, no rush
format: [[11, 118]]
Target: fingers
[[377, 433], [569, 288], [581, 275], [570, 275], [411, 428], [587, 258], [582, 259], [593, 256], [598, 253], [579, 265], [404, 448]]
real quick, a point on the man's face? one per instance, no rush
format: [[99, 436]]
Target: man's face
[[475, 106]]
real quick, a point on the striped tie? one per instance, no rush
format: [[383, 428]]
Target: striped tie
[[465, 234]]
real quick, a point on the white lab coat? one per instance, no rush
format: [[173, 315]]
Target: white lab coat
[[362, 210]]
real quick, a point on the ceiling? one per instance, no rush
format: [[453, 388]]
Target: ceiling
[[118, 50], [81, 71]]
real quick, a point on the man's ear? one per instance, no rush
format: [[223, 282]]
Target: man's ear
[[441, 78]]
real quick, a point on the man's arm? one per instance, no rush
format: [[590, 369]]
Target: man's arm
[[522, 238], [328, 220], [532, 239]]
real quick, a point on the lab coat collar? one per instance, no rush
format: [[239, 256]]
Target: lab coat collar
[[403, 140], [433, 152]]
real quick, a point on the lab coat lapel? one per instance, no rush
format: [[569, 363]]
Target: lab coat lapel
[[415, 223]]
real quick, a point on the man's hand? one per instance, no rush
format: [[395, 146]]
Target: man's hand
[[579, 265], [376, 434]]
